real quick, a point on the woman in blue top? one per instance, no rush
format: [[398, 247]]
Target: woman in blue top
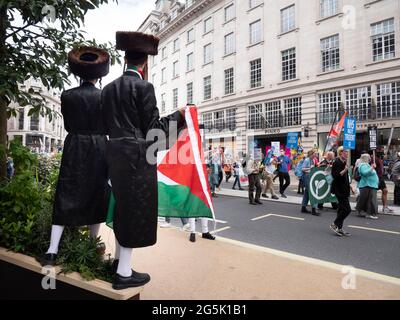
[[368, 185]]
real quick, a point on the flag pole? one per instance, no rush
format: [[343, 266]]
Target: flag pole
[[333, 124]]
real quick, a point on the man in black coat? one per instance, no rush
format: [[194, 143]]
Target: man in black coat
[[130, 113], [82, 191], [341, 188]]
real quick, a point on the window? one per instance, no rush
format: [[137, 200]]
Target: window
[[255, 32], [207, 53], [253, 3], [229, 43], [288, 19], [34, 122], [207, 87], [175, 98], [289, 64], [189, 92], [164, 53], [328, 8], [273, 114], [190, 35], [383, 40], [207, 121], [153, 78], [219, 120], [174, 14], [388, 100], [175, 68], [188, 3], [328, 105], [255, 117], [229, 81], [255, 73], [231, 119], [189, 62], [163, 75], [292, 112], [229, 12], [330, 54], [21, 116], [358, 103], [163, 102], [208, 25], [176, 45]]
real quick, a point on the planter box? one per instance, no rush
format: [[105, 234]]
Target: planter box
[[21, 277]]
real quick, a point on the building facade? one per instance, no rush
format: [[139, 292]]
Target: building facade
[[258, 69], [38, 132]]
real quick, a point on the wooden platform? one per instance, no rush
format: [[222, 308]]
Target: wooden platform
[[93, 288]]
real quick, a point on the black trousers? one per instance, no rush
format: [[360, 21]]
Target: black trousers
[[343, 210], [220, 178], [283, 176], [254, 183]]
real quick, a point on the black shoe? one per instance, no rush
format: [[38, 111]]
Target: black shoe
[[258, 202], [344, 233], [283, 195], [335, 229], [314, 212], [214, 195], [208, 236], [192, 237], [241, 189], [304, 210], [114, 265], [320, 206], [233, 188], [275, 197], [48, 259], [137, 279], [252, 203], [264, 195]]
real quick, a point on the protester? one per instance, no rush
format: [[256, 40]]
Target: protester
[[204, 229], [236, 174], [228, 171], [268, 178], [299, 174], [253, 170], [308, 164], [368, 185], [341, 188], [327, 163], [284, 178], [395, 177], [382, 184], [10, 168]]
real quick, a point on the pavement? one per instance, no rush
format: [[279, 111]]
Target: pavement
[[226, 269]]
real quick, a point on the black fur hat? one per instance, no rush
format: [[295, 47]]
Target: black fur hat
[[137, 42], [89, 62]]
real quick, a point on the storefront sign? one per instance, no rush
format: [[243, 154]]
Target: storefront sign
[[272, 131], [292, 140], [372, 133], [350, 134], [257, 154]]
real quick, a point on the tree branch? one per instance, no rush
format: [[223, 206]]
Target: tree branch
[[19, 29]]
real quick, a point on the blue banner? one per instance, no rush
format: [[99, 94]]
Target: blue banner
[[292, 140], [350, 128]]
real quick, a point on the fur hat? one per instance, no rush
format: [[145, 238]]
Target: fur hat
[[137, 42], [89, 62]]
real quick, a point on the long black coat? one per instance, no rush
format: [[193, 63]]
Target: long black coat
[[82, 190], [130, 111], [340, 184]]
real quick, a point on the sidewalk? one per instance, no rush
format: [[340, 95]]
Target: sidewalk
[[294, 198], [227, 269]]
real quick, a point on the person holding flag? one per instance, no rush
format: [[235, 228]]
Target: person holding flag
[[130, 112]]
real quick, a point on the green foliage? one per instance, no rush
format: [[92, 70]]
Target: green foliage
[[24, 160]]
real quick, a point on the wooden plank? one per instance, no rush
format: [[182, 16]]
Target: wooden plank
[[97, 286]]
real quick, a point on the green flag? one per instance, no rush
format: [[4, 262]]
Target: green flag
[[320, 186]]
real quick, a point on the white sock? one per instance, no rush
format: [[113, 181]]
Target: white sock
[[192, 222], [56, 233], [117, 249], [204, 225], [124, 264], [94, 230]]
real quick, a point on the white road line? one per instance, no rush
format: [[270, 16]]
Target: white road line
[[219, 230], [372, 229], [313, 261], [220, 221], [276, 215]]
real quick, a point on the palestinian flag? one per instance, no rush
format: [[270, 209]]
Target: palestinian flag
[[183, 188]]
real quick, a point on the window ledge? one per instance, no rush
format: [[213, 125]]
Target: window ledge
[[339, 15], [208, 32], [177, 50], [329, 72], [229, 54], [257, 6], [206, 64], [189, 71], [189, 43], [176, 77], [163, 59], [162, 83], [382, 61], [368, 4], [255, 44], [287, 32], [207, 100], [288, 81], [256, 88], [229, 95], [226, 22]]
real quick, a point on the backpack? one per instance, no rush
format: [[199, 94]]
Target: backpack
[[357, 176], [298, 172]]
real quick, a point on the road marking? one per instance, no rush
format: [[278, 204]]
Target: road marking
[[220, 221], [313, 261], [219, 230], [372, 229], [276, 215]]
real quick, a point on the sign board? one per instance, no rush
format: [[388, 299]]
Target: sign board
[[258, 154], [276, 146], [350, 127], [320, 186], [373, 135], [292, 140]]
